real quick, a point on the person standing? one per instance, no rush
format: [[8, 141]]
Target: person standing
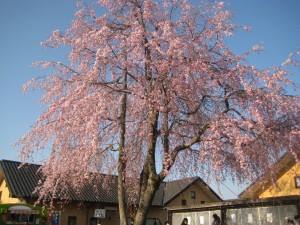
[[217, 220], [185, 221]]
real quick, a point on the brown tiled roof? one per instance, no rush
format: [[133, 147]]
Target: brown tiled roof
[[21, 182]]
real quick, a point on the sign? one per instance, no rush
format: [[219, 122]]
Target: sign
[[100, 213]]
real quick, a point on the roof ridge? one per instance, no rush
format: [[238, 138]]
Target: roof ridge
[[19, 162], [188, 178]]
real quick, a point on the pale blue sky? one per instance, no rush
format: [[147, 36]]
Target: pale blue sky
[[24, 24]]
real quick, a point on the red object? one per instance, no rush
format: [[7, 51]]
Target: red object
[[3, 217]]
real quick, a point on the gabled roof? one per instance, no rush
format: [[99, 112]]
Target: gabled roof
[[21, 182], [285, 163], [176, 187]]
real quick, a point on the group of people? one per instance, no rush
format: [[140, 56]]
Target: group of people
[[216, 220]]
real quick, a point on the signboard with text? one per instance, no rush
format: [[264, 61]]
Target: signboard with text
[[100, 213]]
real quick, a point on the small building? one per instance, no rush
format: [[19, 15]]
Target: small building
[[17, 186], [283, 181], [271, 199], [265, 211]]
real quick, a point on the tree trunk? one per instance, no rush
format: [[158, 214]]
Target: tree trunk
[[146, 199], [121, 200], [149, 179], [121, 160]]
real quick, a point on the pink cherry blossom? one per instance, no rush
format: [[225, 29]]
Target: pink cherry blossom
[[151, 89]]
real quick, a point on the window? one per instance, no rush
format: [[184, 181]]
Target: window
[[183, 202], [297, 182], [20, 218], [193, 194], [202, 202], [72, 220], [0, 195]]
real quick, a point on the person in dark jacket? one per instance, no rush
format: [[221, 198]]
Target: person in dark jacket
[[217, 220], [185, 221]]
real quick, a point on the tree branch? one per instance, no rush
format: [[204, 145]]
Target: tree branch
[[181, 147]]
